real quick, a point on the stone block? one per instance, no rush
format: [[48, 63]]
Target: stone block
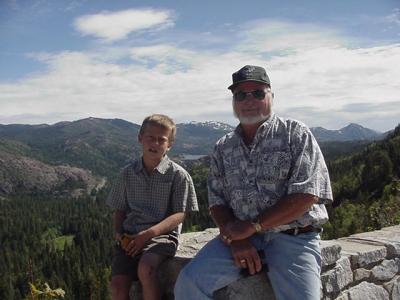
[[248, 288], [393, 287], [389, 238], [344, 296], [330, 252], [335, 280], [361, 274], [361, 254], [367, 291], [395, 228], [190, 243], [385, 271]]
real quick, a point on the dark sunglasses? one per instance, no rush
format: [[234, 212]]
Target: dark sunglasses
[[241, 96]]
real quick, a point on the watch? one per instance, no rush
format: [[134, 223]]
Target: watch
[[257, 226]]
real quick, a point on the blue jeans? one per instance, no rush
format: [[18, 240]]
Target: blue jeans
[[294, 264]]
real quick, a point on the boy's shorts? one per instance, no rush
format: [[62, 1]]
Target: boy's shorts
[[123, 264]]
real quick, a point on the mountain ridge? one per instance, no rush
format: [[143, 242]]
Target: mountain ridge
[[103, 146]]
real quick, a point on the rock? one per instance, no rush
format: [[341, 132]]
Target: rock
[[362, 255], [330, 252], [248, 288], [393, 287], [385, 271], [361, 274], [333, 281], [389, 237], [367, 291]]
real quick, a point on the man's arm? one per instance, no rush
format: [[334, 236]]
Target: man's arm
[[241, 249], [165, 226], [285, 211], [222, 215]]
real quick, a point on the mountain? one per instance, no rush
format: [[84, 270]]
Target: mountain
[[352, 132], [198, 137], [101, 147], [78, 152]]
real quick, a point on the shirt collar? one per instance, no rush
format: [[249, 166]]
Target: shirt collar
[[161, 168]]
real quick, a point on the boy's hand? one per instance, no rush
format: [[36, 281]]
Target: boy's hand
[[137, 243]]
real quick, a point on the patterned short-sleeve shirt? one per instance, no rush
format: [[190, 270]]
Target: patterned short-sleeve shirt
[[283, 159], [149, 199]]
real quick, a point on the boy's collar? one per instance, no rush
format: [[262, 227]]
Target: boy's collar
[[162, 167]]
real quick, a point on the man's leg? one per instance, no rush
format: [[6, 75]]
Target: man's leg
[[294, 265], [148, 276], [211, 269]]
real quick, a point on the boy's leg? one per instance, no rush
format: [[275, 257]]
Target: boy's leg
[[123, 273], [120, 286], [154, 253], [148, 275]]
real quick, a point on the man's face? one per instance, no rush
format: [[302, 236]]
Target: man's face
[[251, 109], [155, 141]]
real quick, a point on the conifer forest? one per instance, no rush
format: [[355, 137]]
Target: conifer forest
[[67, 242]]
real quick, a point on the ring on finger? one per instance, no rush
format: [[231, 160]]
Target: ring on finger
[[226, 239]]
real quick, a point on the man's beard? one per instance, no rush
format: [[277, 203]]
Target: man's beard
[[251, 120]]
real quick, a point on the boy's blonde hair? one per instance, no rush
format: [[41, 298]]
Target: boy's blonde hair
[[162, 121]]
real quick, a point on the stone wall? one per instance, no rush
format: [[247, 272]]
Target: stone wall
[[362, 266]]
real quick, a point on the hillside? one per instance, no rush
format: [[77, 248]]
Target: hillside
[[21, 174], [67, 242], [366, 188], [100, 147]]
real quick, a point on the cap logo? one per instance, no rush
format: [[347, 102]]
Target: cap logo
[[247, 71]]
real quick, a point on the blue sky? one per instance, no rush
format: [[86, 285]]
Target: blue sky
[[331, 63]]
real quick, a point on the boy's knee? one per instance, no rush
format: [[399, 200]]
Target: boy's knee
[[120, 285], [146, 271]]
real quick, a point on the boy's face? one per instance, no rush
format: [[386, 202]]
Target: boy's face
[[155, 142]]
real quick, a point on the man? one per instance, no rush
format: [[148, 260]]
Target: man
[[150, 200], [268, 184]]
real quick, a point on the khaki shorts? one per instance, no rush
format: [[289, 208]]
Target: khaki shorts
[[123, 264]]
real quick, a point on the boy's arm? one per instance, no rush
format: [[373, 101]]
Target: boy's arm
[[165, 226], [118, 218]]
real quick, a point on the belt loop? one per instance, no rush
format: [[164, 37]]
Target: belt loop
[[296, 231]]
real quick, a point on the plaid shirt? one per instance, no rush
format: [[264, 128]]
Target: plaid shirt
[[149, 199], [283, 159]]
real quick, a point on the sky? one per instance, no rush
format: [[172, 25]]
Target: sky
[[330, 63]]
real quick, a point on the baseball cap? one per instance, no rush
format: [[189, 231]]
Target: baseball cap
[[249, 73]]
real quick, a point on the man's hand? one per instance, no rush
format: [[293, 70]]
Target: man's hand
[[246, 256], [238, 230], [137, 243]]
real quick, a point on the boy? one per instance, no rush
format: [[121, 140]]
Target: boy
[[150, 199]]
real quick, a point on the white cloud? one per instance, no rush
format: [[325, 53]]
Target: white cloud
[[316, 81], [112, 26], [394, 17], [274, 36]]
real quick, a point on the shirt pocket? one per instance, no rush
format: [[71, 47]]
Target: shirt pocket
[[275, 167]]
